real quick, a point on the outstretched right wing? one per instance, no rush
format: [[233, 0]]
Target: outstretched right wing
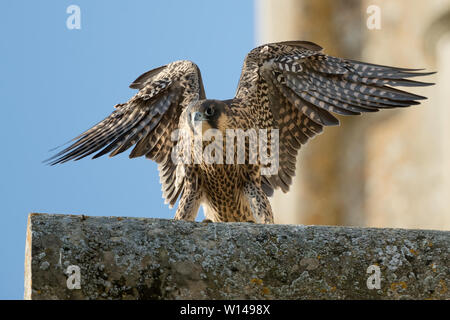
[[146, 122], [294, 87]]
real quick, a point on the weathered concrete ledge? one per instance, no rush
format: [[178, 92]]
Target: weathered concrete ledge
[[77, 257]]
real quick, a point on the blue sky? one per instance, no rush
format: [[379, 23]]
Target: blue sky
[[56, 82]]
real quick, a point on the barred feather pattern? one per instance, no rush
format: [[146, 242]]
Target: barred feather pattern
[[303, 87], [146, 122], [290, 86]]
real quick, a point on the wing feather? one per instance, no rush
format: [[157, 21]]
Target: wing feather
[[294, 87], [146, 122]]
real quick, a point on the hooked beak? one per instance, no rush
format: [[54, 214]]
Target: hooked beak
[[196, 118]]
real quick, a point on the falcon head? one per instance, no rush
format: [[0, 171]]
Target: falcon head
[[210, 114]]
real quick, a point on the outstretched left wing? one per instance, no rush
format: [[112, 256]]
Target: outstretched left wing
[[294, 87], [146, 122]]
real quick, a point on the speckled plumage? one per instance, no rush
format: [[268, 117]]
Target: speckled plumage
[[290, 86]]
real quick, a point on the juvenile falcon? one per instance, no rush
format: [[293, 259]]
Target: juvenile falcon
[[290, 89]]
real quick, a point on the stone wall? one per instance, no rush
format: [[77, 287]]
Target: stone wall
[[78, 257], [378, 170]]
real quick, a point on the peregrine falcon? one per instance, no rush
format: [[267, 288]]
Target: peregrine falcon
[[287, 93]]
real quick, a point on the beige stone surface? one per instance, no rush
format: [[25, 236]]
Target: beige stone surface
[[407, 183], [390, 169]]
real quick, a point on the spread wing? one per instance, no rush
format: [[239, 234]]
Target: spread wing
[[294, 87], [146, 122]]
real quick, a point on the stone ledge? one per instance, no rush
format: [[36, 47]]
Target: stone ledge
[[139, 258]]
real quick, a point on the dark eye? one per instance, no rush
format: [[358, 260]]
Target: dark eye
[[209, 111]]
